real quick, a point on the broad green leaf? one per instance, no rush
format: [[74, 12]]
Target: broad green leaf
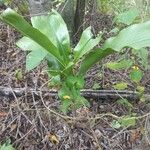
[[127, 121], [17, 21], [92, 58], [121, 86], [39, 53], [136, 75], [43, 25], [34, 58], [86, 43], [26, 44], [56, 30], [127, 17], [136, 36], [60, 29], [123, 64]]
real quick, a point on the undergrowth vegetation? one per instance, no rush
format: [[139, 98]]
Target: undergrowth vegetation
[[119, 6], [48, 39], [135, 61], [7, 146]]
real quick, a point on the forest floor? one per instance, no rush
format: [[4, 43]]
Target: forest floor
[[33, 122]]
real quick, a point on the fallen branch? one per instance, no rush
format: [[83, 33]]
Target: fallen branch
[[88, 93]]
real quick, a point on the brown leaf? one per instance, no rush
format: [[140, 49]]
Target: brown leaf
[[53, 138], [136, 134], [13, 127], [3, 114]]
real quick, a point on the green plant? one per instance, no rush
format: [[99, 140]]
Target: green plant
[[6, 146], [18, 74], [48, 39], [125, 121], [135, 59]]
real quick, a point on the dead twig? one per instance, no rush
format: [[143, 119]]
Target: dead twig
[[88, 93]]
